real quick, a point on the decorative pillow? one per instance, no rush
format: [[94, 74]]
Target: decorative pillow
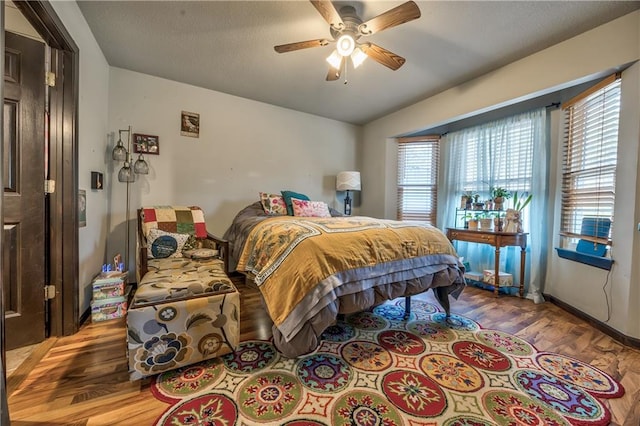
[[200, 254], [307, 208], [161, 244], [288, 195], [273, 204]]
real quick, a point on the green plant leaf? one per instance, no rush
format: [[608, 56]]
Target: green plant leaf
[[526, 201], [519, 203]]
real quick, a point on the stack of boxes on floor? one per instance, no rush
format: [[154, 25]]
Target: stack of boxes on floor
[[110, 295], [486, 279]]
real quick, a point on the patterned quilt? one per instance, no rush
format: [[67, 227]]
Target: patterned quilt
[[303, 265]]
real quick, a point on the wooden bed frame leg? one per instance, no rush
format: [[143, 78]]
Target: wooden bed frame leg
[[407, 307], [443, 298]]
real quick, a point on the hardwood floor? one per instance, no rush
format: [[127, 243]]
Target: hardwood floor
[[82, 379]]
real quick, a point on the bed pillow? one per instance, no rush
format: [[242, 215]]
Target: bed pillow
[[273, 204], [305, 208], [288, 195], [161, 244]]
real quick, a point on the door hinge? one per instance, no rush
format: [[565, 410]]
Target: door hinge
[[49, 186], [49, 292], [50, 79]]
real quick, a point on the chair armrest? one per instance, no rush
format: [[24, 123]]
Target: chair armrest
[[143, 260], [223, 246]]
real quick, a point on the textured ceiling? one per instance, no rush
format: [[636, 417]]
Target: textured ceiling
[[227, 46]]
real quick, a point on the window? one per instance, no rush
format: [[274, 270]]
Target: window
[[590, 150], [418, 178], [509, 153], [498, 155]]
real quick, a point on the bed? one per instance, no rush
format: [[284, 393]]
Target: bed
[[311, 269]]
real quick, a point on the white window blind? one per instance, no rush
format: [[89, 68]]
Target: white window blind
[[590, 149], [500, 155], [418, 160]]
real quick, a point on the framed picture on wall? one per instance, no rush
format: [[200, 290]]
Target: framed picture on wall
[[146, 144], [190, 124], [82, 208]]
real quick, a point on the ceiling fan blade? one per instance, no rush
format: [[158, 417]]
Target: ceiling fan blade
[[301, 45], [334, 73], [329, 13], [383, 56], [398, 15]]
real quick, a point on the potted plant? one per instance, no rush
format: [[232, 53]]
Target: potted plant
[[498, 222], [466, 199], [485, 222], [477, 205], [467, 218], [473, 223], [463, 201], [499, 195]]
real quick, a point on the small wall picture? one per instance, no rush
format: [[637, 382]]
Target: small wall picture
[[96, 180], [82, 208], [146, 144], [190, 124]]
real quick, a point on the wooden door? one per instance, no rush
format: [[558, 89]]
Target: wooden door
[[23, 246]]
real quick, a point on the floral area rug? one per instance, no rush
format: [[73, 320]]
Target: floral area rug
[[376, 368]]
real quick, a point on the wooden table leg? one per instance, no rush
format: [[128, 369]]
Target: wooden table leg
[[496, 278], [523, 254]]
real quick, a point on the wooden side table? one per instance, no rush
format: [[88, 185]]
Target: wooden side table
[[496, 239]]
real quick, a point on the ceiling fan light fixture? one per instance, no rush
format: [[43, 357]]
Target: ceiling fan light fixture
[[334, 60], [347, 28], [358, 57], [345, 45]]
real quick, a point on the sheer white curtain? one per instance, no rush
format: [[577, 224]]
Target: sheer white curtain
[[510, 153]]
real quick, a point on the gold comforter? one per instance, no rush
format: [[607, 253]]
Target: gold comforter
[[300, 262]]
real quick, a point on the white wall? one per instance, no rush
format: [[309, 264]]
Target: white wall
[[583, 286], [92, 128], [244, 147], [593, 53]]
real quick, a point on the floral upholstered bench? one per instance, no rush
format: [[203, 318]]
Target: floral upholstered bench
[[186, 309]]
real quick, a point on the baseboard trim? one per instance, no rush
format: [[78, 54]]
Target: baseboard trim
[[605, 328], [84, 317]]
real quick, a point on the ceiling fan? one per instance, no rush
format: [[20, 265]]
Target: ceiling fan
[[347, 28]]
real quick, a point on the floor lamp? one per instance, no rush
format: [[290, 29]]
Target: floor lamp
[[128, 175]]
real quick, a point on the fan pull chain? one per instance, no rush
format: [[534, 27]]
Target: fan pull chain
[[344, 61]]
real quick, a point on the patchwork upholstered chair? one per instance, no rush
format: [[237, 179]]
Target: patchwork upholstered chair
[[185, 309]]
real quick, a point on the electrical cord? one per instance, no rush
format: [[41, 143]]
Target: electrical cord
[[604, 289]]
